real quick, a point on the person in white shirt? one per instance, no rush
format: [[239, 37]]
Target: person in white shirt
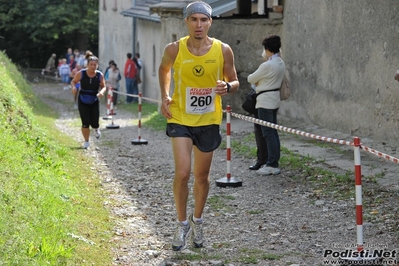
[[137, 56], [267, 79]]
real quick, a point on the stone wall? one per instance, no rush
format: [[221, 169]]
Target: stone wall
[[245, 39], [342, 56]]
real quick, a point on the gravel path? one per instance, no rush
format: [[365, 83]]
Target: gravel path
[[277, 220]]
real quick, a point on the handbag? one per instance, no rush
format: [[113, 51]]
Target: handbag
[[250, 101], [285, 90]]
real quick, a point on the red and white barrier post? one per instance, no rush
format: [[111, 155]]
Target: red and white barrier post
[[228, 181], [139, 140], [358, 183], [110, 105], [359, 206], [111, 109]]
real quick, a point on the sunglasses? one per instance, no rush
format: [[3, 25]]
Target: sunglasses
[[92, 58]]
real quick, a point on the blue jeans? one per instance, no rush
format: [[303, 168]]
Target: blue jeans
[[65, 78], [271, 136], [131, 88], [261, 144]]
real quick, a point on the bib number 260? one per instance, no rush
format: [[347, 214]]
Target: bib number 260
[[201, 101]]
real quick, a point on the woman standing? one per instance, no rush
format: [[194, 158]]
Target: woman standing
[[91, 81], [268, 77], [112, 78]]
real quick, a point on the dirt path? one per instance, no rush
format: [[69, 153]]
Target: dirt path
[[277, 220]]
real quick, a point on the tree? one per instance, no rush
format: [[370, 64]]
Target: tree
[[34, 29]]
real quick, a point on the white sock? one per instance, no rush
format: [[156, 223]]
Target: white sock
[[184, 222], [196, 220]]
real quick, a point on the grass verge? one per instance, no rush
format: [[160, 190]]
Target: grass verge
[[151, 118], [51, 209]]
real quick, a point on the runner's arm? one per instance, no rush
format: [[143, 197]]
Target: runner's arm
[[230, 73], [75, 81], [102, 86], [164, 73]]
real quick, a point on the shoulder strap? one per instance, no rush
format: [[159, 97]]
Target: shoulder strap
[[98, 75], [266, 91], [82, 72]]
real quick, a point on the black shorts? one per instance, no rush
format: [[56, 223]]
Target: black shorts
[[206, 138], [89, 114]]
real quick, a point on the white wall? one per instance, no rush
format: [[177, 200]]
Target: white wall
[[115, 35], [149, 46]]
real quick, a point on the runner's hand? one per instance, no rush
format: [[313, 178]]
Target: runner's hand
[[221, 87], [165, 107]]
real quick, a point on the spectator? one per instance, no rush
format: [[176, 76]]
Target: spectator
[[92, 87], [139, 65], [268, 77], [130, 73], [261, 145], [108, 67], [65, 71], [138, 79], [50, 66], [72, 62], [81, 59], [60, 62], [112, 79], [76, 55], [138, 60], [68, 54], [77, 85]]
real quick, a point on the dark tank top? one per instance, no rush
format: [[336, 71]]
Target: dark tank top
[[89, 87]]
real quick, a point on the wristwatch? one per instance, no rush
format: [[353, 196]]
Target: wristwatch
[[228, 87]]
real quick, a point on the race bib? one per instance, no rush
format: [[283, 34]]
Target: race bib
[[200, 100]]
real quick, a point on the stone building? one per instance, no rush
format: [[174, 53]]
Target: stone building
[[341, 55]]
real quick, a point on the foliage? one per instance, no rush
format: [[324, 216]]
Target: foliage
[[33, 29]]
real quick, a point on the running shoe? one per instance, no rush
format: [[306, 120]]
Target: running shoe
[[98, 133], [86, 145], [181, 236], [196, 235]]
